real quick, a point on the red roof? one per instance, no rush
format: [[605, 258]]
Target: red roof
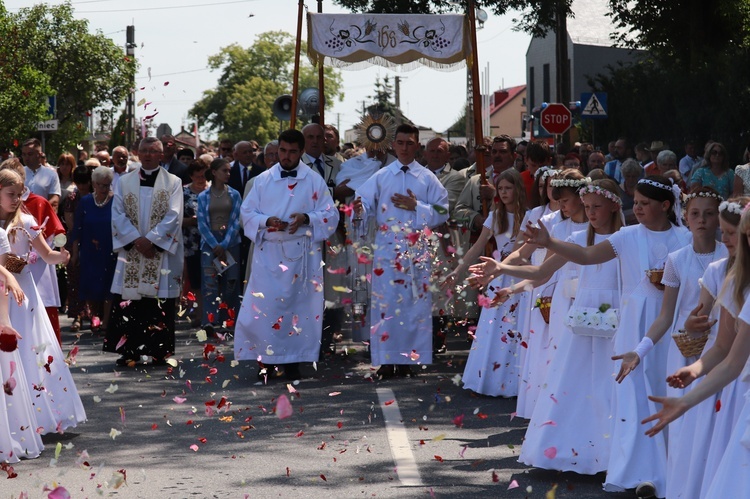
[[502, 97]]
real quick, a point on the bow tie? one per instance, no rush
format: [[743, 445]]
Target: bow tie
[[290, 173]]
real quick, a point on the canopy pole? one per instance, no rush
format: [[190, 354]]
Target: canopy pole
[[477, 102], [295, 84], [321, 81]]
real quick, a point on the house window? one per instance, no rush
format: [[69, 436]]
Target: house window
[[545, 84], [531, 87]]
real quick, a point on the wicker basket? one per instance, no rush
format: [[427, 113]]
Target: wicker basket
[[15, 264], [545, 307], [655, 275], [690, 345]]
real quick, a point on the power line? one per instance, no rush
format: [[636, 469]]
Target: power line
[[175, 73], [161, 8]]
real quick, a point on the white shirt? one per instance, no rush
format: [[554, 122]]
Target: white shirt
[[44, 182]]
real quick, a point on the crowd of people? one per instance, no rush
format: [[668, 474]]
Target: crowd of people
[[601, 289]]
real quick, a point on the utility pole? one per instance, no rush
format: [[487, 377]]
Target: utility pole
[[562, 62], [130, 101], [398, 90]]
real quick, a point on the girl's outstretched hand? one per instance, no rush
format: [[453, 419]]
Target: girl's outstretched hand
[[630, 361], [698, 323], [537, 234], [672, 408], [682, 377], [483, 272]]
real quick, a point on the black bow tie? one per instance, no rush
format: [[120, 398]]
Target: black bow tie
[[290, 173]]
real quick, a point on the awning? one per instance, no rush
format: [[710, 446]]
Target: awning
[[403, 41]]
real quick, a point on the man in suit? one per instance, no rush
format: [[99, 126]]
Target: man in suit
[[243, 167], [242, 170], [335, 254], [169, 159]]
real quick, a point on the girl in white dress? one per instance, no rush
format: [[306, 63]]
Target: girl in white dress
[[530, 319], [682, 273], [492, 366], [57, 404], [731, 478], [707, 427], [571, 424], [635, 461], [18, 436]]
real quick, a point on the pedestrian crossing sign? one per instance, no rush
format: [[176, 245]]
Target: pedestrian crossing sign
[[594, 105]]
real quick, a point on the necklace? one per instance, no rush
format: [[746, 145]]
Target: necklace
[[224, 191], [98, 204]]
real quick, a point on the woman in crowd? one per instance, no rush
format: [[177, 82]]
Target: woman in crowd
[[716, 172], [219, 225], [93, 232], [191, 237], [82, 187]]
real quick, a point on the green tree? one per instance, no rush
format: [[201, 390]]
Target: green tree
[[23, 89], [85, 71], [239, 108]]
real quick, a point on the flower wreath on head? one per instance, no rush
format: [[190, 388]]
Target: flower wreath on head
[[732, 207], [569, 182], [544, 172], [694, 195], [595, 189]]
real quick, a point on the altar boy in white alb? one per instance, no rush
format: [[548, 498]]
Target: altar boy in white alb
[[407, 200], [288, 214]]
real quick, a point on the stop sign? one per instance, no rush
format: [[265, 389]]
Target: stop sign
[[556, 118]]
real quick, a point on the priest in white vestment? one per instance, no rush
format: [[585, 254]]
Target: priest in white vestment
[[407, 200], [147, 213], [288, 214]]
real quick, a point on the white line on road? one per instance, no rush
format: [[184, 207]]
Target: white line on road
[[406, 466]]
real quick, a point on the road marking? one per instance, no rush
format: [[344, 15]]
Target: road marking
[[406, 466]]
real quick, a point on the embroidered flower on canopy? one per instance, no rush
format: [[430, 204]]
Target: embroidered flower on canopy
[[595, 189]]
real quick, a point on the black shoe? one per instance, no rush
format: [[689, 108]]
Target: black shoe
[[404, 371], [386, 371], [440, 350], [292, 372], [645, 490], [158, 361]]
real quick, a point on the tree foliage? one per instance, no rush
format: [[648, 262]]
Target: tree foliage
[[239, 108], [85, 71], [23, 88], [536, 17]]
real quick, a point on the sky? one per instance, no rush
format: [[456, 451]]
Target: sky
[[176, 37]]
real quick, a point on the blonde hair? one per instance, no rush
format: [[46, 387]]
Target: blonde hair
[[739, 274], [733, 219], [9, 178], [616, 219], [512, 176]]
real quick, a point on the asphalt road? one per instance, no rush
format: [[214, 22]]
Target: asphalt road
[[208, 428]]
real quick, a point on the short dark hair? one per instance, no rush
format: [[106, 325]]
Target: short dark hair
[[332, 129], [292, 136], [195, 166], [185, 152], [33, 142], [508, 140], [408, 129], [82, 175], [538, 151]]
